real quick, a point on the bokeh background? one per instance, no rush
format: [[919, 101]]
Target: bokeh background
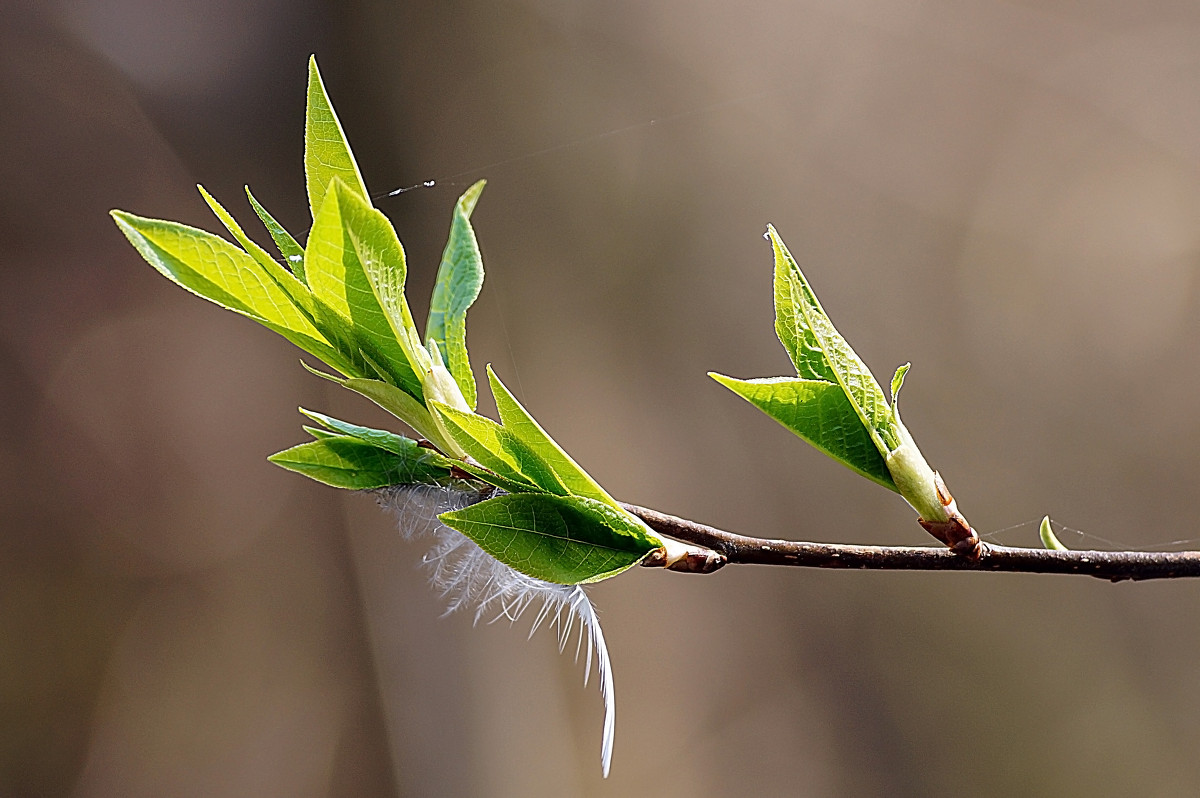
[[1007, 194]]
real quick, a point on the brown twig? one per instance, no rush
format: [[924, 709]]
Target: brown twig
[[1113, 565]]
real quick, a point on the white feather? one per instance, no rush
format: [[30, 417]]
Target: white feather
[[467, 576]]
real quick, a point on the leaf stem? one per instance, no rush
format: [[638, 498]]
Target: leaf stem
[[1115, 566]]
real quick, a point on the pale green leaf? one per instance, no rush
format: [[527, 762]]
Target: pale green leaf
[[819, 412], [347, 462], [291, 251], [567, 540], [459, 279], [516, 419], [211, 267], [898, 382], [326, 152], [1049, 539]]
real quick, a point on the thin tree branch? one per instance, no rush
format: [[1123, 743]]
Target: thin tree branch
[[1112, 565]]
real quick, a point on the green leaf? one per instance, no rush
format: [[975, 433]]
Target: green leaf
[[211, 267], [292, 252], [402, 406], [819, 412], [326, 152], [567, 540], [337, 279], [347, 462], [898, 383], [381, 439], [820, 353], [498, 449], [298, 292], [381, 256], [459, 279], [1049, 540], [516, 419]]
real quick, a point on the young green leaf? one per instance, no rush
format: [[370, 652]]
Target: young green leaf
[[498, 449], [318, 433], [338, 280], [518, 421], [820, 413], [326, 152], [381, 256], [1049, 539], [820, 352], [897, 384], [566, 540], [403, 407], [380, 439], [459, 279], [348, 462], [836, 401], [292, 252]]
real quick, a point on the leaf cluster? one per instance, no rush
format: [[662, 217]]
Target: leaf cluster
[[341, 298]]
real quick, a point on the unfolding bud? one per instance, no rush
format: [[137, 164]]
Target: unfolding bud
[[676, 556], [923, 488], [955, 532]]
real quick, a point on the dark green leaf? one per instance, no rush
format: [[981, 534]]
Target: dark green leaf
[[346, 462], [567, 540], [291, 251]]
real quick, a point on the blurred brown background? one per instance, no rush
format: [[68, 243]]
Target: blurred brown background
[[1007, 194]]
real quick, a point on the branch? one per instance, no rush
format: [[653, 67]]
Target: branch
[[1112, 565]]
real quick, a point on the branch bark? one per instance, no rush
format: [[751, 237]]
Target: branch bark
[[1115, 566]]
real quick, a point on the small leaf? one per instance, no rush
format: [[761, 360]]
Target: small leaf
[[459, 279], [292, 252], [898, 383], [819, 352], [518, 421], [381, 439], [400, 405], [1049, 540], [346, 462], [567, 540], [326, 152], [498, 449], [819, 412]]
